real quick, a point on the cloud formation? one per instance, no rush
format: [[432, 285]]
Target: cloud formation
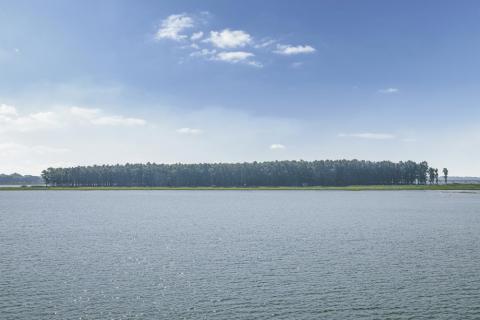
[[12, 120], [196, 36], [94, 116], [229, 135], [225, 45], [277, 146], [289, 50], [229, 39], [189, 131], [173, 25], [237, 57], [7, 110]]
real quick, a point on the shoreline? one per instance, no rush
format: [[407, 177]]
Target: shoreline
[[447, 187]]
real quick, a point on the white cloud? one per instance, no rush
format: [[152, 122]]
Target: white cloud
[[173, 25], [94, 116], [227, 56], [277, 146], [189, 131], [195, 46], [234, 56], [369, 135], [264, 43], [292, 50], [196, 36], [389, 90], [6, 110], [203, 53], [85, 113], [229, 39], [11, 120], [47, 117], [237, 57], [254, 64]]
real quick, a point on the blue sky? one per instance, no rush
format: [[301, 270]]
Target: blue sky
[[186, 81]]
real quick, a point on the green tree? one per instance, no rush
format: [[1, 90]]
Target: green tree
[[445, 174], [431, 175]]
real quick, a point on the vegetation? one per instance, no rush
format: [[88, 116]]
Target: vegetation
[[452, 187], [18, 179], [265, 174]]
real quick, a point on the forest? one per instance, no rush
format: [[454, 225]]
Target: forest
[[18, 179], [254, 174]]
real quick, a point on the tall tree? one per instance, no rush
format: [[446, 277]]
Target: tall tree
[[445, 174], [431, 175]]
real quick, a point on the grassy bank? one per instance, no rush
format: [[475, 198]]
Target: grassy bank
[[346, 188]]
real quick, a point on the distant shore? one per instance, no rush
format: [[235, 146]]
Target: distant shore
[[458, 187]]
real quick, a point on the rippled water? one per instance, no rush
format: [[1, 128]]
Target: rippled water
[[239, 255]]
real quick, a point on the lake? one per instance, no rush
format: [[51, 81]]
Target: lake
[[239, 255]]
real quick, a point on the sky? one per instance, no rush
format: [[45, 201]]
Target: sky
[[104, 82]]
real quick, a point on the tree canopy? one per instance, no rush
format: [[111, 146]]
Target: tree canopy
[[18, 179], [272, 173]]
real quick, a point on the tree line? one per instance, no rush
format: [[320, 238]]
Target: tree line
[[268, 174], [18, 179]]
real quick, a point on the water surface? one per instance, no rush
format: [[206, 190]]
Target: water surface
[[239, 255]]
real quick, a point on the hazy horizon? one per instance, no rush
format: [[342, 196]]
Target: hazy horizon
[[109, 82]]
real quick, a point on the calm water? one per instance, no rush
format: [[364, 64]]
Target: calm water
[[239, 255]]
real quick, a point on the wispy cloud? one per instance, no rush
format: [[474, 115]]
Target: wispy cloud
[[389, 90], [203, 53], [293, 50], [190, 131], [95, 116], [277, 146], [12, 120], [369, 135], [86, 113], [196, 36], [172, 27], [264, 43]]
